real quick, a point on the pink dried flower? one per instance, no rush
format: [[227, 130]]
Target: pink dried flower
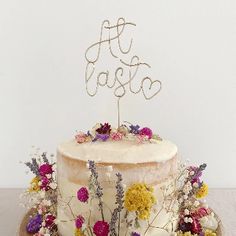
[[83, 194], [141, 138], [101, 228], [117, 136], [146, 132], [45, 169], [49, 221], [79, 221], [45, 183], [81, 137], [201, 212]]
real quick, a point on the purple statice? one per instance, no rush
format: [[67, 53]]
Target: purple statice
[[134, 129], [33, 165], [34, 224], [195, 178], [102, 137], [118, 209]]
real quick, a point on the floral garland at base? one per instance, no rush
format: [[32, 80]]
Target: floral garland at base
[[136, 201]]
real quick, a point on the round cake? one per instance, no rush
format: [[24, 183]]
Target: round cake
[[152, 163]]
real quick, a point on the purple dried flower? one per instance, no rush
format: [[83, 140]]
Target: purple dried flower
[[83, 194], [34, 224], [102, 137], [134, 129], [79, 221], [104, 129], [135, 234]]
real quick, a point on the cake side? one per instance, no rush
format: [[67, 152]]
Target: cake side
[[154, 164]]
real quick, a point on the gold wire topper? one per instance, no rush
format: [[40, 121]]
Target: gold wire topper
[[120, 81]]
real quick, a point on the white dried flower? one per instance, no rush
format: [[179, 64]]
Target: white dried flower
[[186, 212]]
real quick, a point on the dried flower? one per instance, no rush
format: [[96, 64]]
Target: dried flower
[[202, 192], [101, 228], [117, 136], [45, 169], [140, 198], [95, 186], [83, 194], [102, 137], [49, 221], [135, 234], [119, 202], [134, 129], [209, 232], [34, 185], [79, 221], [146, 132], [81, 137], [79, 232], [34, 224], [104, 129]]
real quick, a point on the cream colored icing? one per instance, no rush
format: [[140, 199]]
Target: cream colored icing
[[119, 151]]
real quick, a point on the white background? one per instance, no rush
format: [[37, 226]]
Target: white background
[[190, 44]]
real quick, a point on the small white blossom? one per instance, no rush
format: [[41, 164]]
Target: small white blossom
[[186, 212]]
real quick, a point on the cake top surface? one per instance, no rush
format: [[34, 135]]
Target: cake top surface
[[124, 151]]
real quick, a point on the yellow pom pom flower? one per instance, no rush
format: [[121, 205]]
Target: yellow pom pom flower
[[34, 184], [180, 233], [202, 192], [209, 233], [79, 232], [139, 198]]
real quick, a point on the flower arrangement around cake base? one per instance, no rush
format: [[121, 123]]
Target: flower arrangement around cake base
[[133, 204]]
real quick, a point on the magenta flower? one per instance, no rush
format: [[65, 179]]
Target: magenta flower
[[49, 221], [79, 221], [45, 183], [201, 212], [83, 194], [45, 169], [101, 228], [146, 132]]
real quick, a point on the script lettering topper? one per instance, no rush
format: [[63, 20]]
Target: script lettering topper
[[110, 35]]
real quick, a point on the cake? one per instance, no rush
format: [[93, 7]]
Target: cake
[[154, 164], [123, 180]]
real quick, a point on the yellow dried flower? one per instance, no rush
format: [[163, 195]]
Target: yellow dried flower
[[209, 232], [202, 192], [180, 233], [79, 232], [34, 184], [139, 198]]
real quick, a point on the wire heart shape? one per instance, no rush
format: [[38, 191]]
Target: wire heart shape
[[152, 89]]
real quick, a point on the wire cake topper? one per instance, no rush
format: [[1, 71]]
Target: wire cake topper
[[110, 35]]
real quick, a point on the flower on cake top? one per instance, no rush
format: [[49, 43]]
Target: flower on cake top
[[104, 129], [202, 191], [101, 228], [146, 132], [104, 132], [83, 194], [135, 234], [139, 198]]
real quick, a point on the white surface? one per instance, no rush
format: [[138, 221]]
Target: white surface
[[190, 45], [223, 201], [119, 151]]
